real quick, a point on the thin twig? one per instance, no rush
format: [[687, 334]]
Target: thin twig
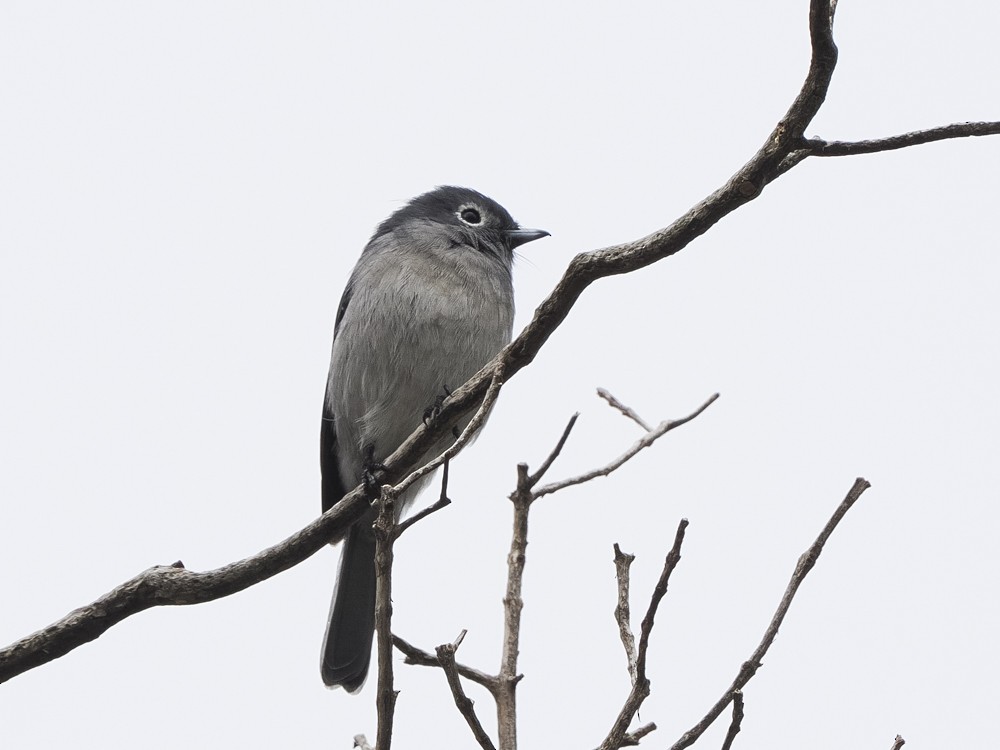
[[659, 591], [644, 442], [627, 411], [819, 147], [446, 655], [750, 667], [623, 561], [533, 479], [640, 687], [423, 658], [737, 721], [632, 738], [385, 698], [443, 501]]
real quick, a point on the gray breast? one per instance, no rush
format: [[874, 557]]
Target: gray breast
[[422, 317]]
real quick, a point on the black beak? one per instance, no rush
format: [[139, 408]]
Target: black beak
[[518, 237]]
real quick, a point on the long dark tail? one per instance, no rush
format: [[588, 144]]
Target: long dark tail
[[347, 648]]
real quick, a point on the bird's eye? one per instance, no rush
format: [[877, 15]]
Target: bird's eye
[[471, 216]]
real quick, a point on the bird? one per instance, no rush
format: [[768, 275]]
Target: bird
[[428, 304]]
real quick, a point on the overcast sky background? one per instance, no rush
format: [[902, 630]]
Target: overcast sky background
[[184, 188]]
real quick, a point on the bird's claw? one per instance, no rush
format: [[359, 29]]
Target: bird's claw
[[433, 411], [368, 473]]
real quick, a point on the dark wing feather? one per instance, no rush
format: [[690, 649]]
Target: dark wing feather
[[333, 485]]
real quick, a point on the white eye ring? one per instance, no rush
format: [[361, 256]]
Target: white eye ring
[[469, 214]]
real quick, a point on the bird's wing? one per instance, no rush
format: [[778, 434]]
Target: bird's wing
[[333, 485]]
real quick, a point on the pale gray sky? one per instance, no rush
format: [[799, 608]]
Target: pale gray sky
[[184, 188]]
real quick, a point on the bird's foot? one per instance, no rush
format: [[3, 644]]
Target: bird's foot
[[370, 471], [433, 411]]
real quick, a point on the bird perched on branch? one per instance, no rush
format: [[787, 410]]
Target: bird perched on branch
[[428, 304]]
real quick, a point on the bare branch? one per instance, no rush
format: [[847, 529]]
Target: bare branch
[[168, 585], [507, 677], [644, 442], [640, 686], [446, 656], [385, 536], [750, 667], [422, 658], [819, 147], [623, 561], [533, 479], [632, 738], [737, 721], [442, 502], [174, 585], [659, 591], [627, 411]]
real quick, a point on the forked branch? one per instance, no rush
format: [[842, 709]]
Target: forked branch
[[503, 685]]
